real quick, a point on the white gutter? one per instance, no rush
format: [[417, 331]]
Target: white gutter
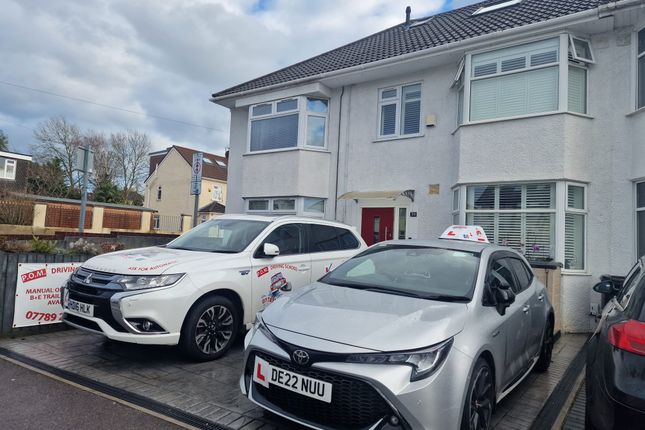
[[525, 30]]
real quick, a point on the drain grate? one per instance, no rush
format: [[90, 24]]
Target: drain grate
[[135, 399]]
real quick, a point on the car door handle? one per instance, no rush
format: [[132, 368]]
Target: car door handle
[[525, 309], [541, 297], [303, 268]]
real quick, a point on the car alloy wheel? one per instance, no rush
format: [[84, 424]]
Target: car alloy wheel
[[481, 399], [214, 329]]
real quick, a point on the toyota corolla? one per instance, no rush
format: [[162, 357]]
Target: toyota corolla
[[406, 335]]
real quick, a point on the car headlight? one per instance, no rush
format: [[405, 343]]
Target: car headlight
[[423, 362], [138, 282]]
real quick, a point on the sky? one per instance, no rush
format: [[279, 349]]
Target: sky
[[151, 66]]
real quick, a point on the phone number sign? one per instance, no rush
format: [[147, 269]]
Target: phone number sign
[[38, 293]]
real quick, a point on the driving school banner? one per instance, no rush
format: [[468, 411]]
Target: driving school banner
[[38, 293]]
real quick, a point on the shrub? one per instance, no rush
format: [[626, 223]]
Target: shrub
[[43, 246], [82, 246], [112, 246]]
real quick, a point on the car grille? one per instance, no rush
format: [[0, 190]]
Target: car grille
[[98, 297], [354, 405]]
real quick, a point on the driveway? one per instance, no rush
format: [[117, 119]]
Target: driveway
[[209, 392]]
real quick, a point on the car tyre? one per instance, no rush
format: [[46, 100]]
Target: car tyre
[[210, 329], [480, 398], [546, 350]]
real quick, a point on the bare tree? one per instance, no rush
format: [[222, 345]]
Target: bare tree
[[4, 141], [130, 151], [59, 140], [104, 163]]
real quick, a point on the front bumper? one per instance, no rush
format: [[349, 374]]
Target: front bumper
[[118, 314], [363, 396]]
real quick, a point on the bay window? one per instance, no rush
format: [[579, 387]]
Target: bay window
[[641, 69], [521, 216], [400, 111], [7, 168], [525, 80], [278, 124]]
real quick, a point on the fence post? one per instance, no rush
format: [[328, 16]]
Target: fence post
[[40, 213], [97, 219]]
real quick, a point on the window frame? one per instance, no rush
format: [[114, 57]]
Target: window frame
[[637, 209], [8, 162], [159, 193], [639, 56], [299, 206], [584, 212], [398, 102], [303, 116], [574, 52]]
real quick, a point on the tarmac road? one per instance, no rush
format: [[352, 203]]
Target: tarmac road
[[32, 401]]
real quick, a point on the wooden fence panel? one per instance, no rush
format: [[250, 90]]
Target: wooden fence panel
[[66, 216], [121, 219]]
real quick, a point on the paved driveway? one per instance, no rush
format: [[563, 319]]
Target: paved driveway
[[210, 390]]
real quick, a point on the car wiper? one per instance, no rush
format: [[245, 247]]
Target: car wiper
[[446, 298], [376, 289], [224, 251]]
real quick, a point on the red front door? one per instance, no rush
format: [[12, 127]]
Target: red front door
[[377, 225]]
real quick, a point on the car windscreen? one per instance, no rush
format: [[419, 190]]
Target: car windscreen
[[433, 273], [220, 235]]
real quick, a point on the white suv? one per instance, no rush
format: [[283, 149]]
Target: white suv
[[203, 287]]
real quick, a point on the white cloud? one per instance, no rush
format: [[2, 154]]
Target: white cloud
[[164, 58]]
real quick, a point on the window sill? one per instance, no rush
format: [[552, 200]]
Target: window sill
[[636, 112], [407, 136], [519, 117], [298, 148], [569, 272]]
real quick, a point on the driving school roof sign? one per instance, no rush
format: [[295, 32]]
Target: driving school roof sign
[[472, 233]]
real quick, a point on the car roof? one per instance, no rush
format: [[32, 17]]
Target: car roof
[[284, 218], [454, 244]]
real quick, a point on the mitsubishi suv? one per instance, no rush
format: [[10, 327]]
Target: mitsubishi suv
[[202, 288]]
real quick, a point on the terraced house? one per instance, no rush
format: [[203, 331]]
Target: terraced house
[[526, 117]]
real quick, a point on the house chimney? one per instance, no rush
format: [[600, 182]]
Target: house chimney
[[408, 10]]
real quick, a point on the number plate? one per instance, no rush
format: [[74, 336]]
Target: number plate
[[267, 375], [80, 307]]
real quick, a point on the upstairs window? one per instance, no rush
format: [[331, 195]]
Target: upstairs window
[[641, 69], [217, 193], [400, 111], [289, 123], [7, 169], [580, 56], [159, 192], [514, 81]]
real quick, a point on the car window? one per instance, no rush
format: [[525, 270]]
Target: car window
[[629, 289], [521, 272], [347, 239], [289, 238], [501, 271], [631, 278], [323, 238]]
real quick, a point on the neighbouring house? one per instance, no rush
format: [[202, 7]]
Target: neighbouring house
[[168, 186], [526, 117], [13, 171]]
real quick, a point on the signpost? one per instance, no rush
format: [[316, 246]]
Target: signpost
[[196, 182], [84, 163]]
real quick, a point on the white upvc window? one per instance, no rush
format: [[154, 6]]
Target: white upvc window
[[217, 193], [313, 206], [640, 102], [640, 219], [455, 206], [399, 111], [527, 79], [289, 123], [309, 206], [159, 192], [521, 216], [7, 168], [575, 221]]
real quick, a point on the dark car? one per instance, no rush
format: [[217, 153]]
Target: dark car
[[615, 376]]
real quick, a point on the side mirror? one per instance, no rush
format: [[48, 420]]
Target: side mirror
[[605, 287], [270, 250], [286, 287], [504, 298]]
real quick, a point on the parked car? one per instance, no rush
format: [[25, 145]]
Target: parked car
[[406, 335], [615, 373], [203, 287]]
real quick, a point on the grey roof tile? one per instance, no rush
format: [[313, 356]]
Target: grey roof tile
[[441, 29]]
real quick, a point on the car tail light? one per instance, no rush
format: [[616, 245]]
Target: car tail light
[[628, 336]]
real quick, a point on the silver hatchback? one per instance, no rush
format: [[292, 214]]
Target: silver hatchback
[[406, 335]]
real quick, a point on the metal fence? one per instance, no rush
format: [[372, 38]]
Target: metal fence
[[8, 279], [166, 222]]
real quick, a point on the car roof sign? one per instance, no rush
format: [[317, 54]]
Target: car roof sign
[[471, 233]]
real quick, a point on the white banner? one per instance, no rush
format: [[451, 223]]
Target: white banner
[[38, 293]]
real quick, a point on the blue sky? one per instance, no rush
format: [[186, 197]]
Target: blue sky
[[154, 62]]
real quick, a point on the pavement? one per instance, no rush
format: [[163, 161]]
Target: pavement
[[31, 400], [210, 391]]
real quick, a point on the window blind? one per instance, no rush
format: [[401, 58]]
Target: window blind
[[574, 227], [274, 133], [388, 119], [411, 114]]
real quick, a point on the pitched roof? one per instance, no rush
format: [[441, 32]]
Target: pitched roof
[[448, 27], [210, 170], [213, 207]]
